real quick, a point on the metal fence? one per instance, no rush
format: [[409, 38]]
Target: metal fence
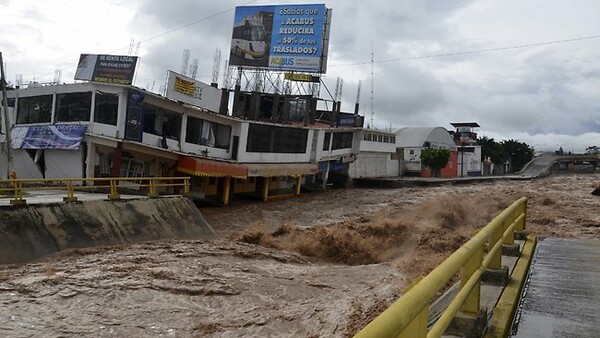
[[152, 186], [408, 316]]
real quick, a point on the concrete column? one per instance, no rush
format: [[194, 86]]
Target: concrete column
[[326, 175], [116, 165], [298, 183], [226, 188], [266, 188]]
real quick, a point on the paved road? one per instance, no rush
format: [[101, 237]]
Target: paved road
[[56, 196]]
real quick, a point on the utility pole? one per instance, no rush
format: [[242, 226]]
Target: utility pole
[[7, 143]]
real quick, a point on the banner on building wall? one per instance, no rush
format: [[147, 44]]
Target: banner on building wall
[[62, 136], [134, 127], [117, 69], [187, 90]]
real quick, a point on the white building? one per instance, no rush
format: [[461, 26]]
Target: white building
[[412, 140], [87, 130], [376, 156]]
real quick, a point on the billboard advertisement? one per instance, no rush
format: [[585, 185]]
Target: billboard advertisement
[[116, 69], [187, 90], [282, 37]]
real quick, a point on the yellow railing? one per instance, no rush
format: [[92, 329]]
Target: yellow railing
[[18, 187], [407, 317]]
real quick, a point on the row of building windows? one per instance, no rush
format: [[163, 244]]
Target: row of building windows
[[76, 107], [373, 137], [70, 107], [340, 140], [207, 133], [272, 139]]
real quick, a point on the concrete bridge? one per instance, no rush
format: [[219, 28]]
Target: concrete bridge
[[544, 164], [521, 287]]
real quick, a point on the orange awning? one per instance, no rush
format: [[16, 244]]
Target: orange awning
[[203, 167], [281, 169]]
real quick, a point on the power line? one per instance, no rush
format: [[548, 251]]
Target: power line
[[190, 24], [476, 51], [194, 22]]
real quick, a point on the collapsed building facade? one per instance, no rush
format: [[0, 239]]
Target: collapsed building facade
[[104, 130]]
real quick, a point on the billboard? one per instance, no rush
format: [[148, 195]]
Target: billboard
[[60, 136], [116, 69], [187, 90], [282, 37]]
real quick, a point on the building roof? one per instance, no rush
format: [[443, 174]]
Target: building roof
[[465, 124], [417, 136]]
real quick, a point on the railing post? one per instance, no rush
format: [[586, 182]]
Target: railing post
[[114, 193], [496, 262], [186, 187], [418, 327], [18, 190], [521, 226], [152, 187], [520, 233], [472, 302], [70, 192]]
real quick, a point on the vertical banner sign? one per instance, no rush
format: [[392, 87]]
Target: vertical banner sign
[[283, 37], [117, 69], [134, 128]]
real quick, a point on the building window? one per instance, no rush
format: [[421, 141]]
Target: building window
[[326, 141], [162, 122], [298, 108], [207, 133], [271, 139], [132, 169], [342, 140], [106, 108], [411, 152], [34, 109], [73, 107]]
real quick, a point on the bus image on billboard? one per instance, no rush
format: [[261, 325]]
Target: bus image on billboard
[[249, 40]]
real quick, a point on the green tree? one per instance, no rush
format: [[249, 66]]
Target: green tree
[[435, 158], [518, 153], [492, 149]]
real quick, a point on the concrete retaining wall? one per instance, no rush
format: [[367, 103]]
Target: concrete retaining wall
[[34, 231]]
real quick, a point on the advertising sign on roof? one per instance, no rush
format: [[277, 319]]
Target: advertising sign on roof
[[116, 69], [283, 37], [187, 90]]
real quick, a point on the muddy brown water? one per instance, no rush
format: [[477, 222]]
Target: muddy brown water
[[288, 281]]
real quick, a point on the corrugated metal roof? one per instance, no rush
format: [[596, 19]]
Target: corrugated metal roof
[[417, 136]]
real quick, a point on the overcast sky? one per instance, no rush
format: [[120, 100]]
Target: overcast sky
[[436, 61]]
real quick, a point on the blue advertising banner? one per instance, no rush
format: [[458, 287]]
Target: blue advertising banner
[[282, 37], [134, 125], [62, 136]]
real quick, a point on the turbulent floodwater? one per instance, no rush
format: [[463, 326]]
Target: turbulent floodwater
[[318, 265]]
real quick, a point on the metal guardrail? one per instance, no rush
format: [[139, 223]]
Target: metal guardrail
[[18, 187], [408, 316]]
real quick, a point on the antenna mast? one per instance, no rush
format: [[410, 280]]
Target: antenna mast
[[194, 68], [372, 72], [216, 66], [185, 60], [356, 105]]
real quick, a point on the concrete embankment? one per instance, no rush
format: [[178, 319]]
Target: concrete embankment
[[34, 231]]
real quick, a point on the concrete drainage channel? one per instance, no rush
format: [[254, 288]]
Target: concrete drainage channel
[[37, 230]]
